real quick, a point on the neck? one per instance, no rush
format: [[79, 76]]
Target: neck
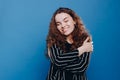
[[69, 39]]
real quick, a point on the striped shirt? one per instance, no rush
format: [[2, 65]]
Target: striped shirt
[[67, 66]]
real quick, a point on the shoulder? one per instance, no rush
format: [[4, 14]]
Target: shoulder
[[54, 46]]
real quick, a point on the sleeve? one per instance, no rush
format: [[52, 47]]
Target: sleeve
[[53, 73], [79, 65], [61, 59]]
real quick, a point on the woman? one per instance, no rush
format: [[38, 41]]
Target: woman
[[69, 46]]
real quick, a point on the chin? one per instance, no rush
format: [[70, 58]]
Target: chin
[[66, 35]]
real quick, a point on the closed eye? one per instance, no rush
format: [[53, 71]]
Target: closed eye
[[58, 24], [65, 20]]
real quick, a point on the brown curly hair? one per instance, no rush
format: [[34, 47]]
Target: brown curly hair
[[78, 35]]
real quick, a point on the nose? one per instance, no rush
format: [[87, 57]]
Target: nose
[[63, 25]]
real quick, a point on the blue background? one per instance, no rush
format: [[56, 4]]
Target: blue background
[[24, 27]]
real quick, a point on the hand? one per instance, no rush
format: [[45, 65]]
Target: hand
[[48, 52], [86, 47]]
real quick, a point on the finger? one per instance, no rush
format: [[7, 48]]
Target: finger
[[86, 40], [49, 52], [92, 42]]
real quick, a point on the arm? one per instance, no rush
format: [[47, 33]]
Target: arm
[[69, 62], [62, 59], [79, 65]]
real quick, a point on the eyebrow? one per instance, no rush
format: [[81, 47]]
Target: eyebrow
[[65, 18]]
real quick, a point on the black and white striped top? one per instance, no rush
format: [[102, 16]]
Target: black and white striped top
[[67, 66]]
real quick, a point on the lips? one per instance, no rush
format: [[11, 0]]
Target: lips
[[64, 30]]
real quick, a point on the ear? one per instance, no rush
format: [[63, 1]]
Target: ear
[[74, 22]]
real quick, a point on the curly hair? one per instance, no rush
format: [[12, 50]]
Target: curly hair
[[78, 35]]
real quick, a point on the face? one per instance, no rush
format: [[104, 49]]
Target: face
[[65, 23]]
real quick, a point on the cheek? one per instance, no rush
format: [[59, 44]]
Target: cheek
[[59, 28], [71, 23], [72, 26]]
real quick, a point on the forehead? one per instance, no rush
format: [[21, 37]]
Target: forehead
[[62, 16]]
